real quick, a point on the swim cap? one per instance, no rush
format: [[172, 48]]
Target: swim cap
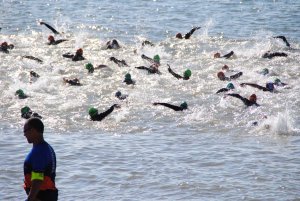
[[89, 67], [187, 73], [4, 44], [79, 51], [20, 92], [252, 98], [265, 71], [230, 86], [178, 35], [277, 81], [156, 58], [50, 38], [93, 111], [270, 86], [184, 105], [118, 93], [221, 75], [217, 55], [128, 76], [25, 109]]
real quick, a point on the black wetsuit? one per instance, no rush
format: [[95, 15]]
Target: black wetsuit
[[56, 42], [149, 59], [76, 57], [50, 27], [257, 86], [128, 82], [120, 63], [232, 77], [33, 58], [270, 55], [113, 44], [284, 40], [222, 90], [245, 100], [5, 48], [73, 82], [30, 114], [101, 116], [146, 42], [177, 75], [173, 107], [227, 56], [189, 34], [151, 70]]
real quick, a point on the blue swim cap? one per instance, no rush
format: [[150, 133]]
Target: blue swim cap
[[184, 105], [118, 93], [270, 86], [93, 111], [230, 86]]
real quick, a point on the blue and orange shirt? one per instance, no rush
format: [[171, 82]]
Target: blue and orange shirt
[[40, 164]]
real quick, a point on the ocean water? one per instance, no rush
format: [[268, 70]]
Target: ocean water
[[143, 152]]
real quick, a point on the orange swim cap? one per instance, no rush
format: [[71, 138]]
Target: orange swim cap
[[79, 51], [221, 75], [252, 98], [50, 38], [4, 44]]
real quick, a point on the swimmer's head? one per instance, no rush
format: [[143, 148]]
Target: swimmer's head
[[221, 75], [187, 74], [156, 58], [179, 35], [230, 86], [252, 98], [51, 38], [79, 51], [20, 93], [93, 111], [25, 110], [270, 86], [277, 81], [225, 67], [184, 105], [265, 71], [128, 76], [89, 67], [217, 55], [4, 45], [118, 94]]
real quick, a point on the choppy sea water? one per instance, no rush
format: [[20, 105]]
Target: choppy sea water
[[143, 152]]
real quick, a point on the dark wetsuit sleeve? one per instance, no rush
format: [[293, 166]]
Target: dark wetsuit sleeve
[[284, 40], [174, 74], [33, 58], [189, 34], [245, 100], [228, 55], [222, 90], [58, 41], [173, 107], [4, 50], [143, 68], [68, 55], [235, 76], [147, 58], [102, 115], [78, 58], [50, 27], [256, 86]]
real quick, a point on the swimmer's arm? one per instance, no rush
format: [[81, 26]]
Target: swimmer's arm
[[189, 34], [49, 27], [107, 112], [228, 55], [173, 107], [235, 76], [68, 55], [255, 86], [143, 67], [245, 100], [222, 90], [173, 73], [147, 58]]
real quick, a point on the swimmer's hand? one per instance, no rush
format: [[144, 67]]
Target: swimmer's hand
[[116, 106]]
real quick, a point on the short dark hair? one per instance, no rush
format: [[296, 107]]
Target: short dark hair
[[36, 123]]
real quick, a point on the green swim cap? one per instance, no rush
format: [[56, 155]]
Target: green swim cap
[[89, 67], [156, 58], [25, 109], [265, 71], [128, 76], [276, 81], [93, 111], [187, 73], [184, 105], [20, 93], [230, 86]]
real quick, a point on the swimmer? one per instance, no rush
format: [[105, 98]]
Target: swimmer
[[284, 40], [20, 93], [52, 41], [91, 68], [49, 27], [229, 87], [95, 116], [155, 60], [270, 55], [186, 75], [120, 63], [269, 86], [265, 71], [248, 102], [4, 47], [26, 113], [146, 42], [33, 58], [33, 76], [128, 79], [77, 57], [277, 82], [183, 106], [227, 56], [73, 82], [222, 76], [188, 35], [120, 96], [151, 70], [112, 44]]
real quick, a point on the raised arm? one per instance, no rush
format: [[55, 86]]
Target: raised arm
[[189, 34], [173, 107], [173, 73], [50, 27]]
